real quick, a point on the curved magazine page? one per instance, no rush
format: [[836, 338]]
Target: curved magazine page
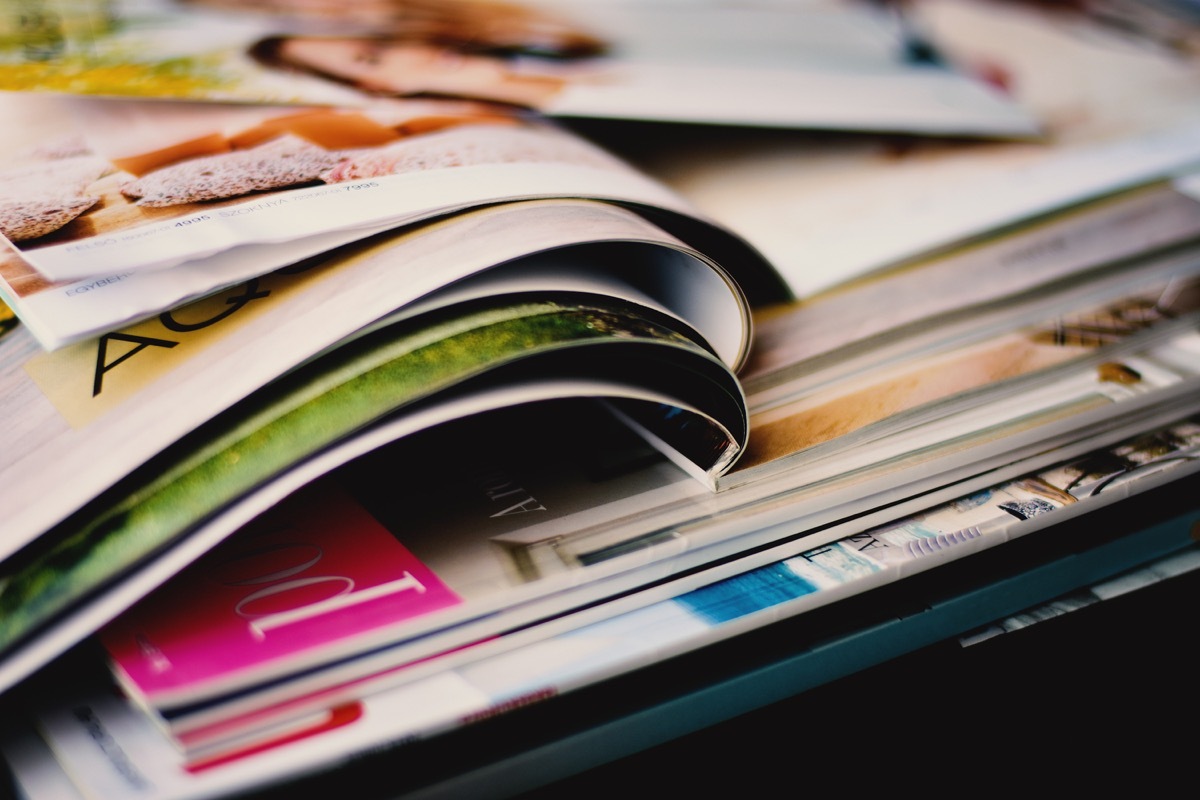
[[233, 193], [359, 385], [170, 183], [311, 483], [666, 277], [594, 536], [103, 402]]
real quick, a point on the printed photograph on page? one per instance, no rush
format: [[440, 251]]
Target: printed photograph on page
[[912, 305], [1108, 469], [285, 51], [136, 185], [825, 415], [822, 64]]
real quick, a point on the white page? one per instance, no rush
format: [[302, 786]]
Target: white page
[[119, 262], [119, 433], [828, 210]]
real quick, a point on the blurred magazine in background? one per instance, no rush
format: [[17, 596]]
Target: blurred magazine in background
[[817, 64], [1116, 110]]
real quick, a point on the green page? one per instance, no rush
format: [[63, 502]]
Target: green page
[[336, 396]]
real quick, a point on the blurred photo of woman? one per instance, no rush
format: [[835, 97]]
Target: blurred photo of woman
[[490, 26], [487, 50], [409, 68]]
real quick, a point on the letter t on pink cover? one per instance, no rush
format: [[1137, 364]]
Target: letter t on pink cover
[[305, 579]]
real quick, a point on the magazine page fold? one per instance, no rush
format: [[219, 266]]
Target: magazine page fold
[[159, 409], [119, 210]]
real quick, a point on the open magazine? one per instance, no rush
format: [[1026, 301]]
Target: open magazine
[[127, 442], [825, 64], [149, 431]]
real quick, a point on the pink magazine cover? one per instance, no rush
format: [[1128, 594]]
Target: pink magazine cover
[[313, 571]]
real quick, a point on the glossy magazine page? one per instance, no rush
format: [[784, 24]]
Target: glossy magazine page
[[122, 210], [308, 354], [88, 393]]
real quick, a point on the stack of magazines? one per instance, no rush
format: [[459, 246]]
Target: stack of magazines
[[377, 369]]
